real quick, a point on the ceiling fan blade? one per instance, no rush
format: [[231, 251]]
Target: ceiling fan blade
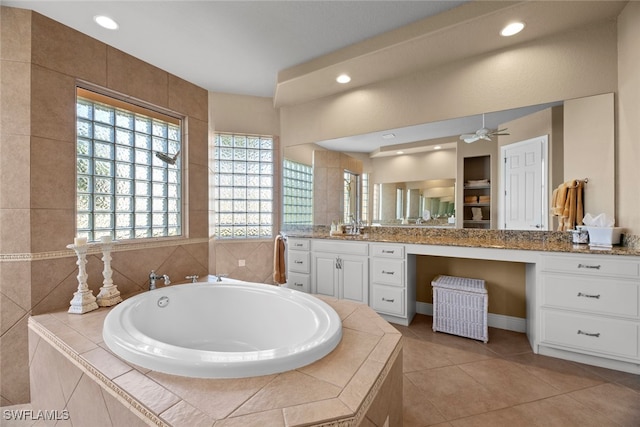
[[470, 138], [466, 136]]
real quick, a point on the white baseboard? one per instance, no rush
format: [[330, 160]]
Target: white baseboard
[[500, 321]]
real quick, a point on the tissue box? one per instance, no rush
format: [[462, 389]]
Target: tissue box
[[604, 236]]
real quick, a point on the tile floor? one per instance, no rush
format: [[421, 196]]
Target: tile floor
[[454, 382], [451, 381]]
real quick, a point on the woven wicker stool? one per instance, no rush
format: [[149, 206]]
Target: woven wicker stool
[[460, 307]]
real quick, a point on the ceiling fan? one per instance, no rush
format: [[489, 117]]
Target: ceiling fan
[[482, 133]]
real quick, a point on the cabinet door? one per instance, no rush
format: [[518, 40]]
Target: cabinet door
[[354, 278], [325, 277]]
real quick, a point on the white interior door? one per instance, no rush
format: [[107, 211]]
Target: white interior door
[[524, 184]]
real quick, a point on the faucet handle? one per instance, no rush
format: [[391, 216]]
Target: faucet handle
[[165, 277], [193, 278], [220, 276]]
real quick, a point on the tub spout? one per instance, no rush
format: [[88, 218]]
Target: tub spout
[[153, 277]]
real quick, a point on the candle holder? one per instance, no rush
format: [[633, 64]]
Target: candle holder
[[109, 294], [83, 300]]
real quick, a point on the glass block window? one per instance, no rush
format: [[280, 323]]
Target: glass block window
[[243, 186], [365, 198], [297, 193], [123, 189]]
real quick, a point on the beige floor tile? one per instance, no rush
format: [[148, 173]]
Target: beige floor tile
[[560, 411], [419, 355], [501, 375], [618, 403], [503, 383], [417, 410], [507, 343], [562, 374], [455, 393]]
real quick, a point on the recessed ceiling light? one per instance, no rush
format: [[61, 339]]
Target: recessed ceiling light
[[343, 78], [399, 152], [512, 29], [106, 22], [437, 147], [388, 136]]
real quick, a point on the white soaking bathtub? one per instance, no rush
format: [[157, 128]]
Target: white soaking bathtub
[[227, 329]]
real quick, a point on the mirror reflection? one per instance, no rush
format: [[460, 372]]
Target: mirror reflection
[[424, 203], [398, 170]]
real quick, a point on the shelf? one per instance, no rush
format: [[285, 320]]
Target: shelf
[[477, 221], [477, 204], [477, 187]]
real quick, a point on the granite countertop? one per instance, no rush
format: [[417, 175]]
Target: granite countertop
[[542, 241]]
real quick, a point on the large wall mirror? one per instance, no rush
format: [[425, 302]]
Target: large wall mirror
[[410, 175]]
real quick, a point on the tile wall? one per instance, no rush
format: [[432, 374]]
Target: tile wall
[[42, 60], [328, 184]]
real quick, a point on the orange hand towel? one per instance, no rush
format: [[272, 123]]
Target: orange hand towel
[[279, 268]]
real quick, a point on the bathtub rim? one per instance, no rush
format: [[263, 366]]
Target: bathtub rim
[[212, 364]]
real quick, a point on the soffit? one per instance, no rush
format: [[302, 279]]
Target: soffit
[[468, 30]]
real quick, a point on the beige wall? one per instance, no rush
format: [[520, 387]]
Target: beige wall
[[589, 146], [628, 124], [328, 184], [414, 167], [246, 115], [568, 65], [41, 62], [505, 281]]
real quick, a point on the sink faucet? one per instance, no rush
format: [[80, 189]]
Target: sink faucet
[[153, 277]]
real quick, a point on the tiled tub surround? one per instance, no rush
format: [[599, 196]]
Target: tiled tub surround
[[41, 62], [359, 382]]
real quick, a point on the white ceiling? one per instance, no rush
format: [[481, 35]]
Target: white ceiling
[[234, 46], [292, 50]]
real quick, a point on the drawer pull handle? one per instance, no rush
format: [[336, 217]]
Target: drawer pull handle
[[298, 262], [298, 284], [596, 335], [388, 272], [592, 267], [387, 300], [385, 251], [580, 294]]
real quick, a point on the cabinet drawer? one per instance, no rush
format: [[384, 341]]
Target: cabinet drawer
[[590, 333], [387, 251], [387, 299], [591, 294], [298, 244], [338, 247], [592, 265], [299, 282], [387, 271], [298, 261]]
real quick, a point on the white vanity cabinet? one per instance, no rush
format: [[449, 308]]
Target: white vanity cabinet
[[389, 294], [590, 306], [298, 264], [340, 269]]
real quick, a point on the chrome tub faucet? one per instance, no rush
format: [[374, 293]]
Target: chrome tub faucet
[[153, 277]]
